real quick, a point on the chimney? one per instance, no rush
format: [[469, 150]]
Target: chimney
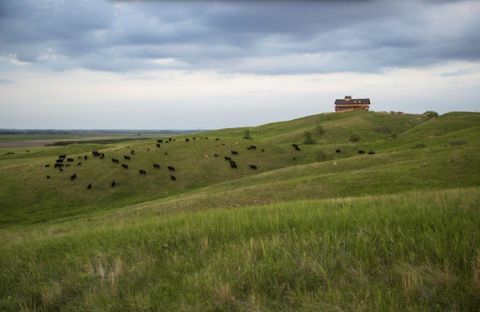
[[347, 98]]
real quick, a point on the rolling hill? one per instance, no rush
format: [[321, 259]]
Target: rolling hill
[[323, 228]]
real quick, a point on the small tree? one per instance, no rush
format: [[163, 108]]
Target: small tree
[[308, 138], [246, 135], [319, 130], [354, 138], [430, 114]]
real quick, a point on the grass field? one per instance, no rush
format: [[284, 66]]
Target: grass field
[[310, 230]]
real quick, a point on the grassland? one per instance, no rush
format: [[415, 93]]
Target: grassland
[[311, 230]]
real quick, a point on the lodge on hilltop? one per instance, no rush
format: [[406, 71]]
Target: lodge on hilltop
[[349, 104]]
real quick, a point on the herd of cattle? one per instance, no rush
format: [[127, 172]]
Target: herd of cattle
[[64, 161]]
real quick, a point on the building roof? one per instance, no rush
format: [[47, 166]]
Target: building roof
[[352, 101]]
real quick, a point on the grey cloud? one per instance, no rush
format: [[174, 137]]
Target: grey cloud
[[266, 37]]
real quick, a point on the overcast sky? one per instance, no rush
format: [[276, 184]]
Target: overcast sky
[[212, 64]]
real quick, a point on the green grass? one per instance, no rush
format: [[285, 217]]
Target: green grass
[[308, 230]]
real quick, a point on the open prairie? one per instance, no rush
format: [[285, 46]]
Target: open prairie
[[380, 212]]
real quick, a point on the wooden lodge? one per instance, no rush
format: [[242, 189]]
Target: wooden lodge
[[349, 104]]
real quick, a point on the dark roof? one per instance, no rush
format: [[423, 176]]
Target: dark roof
[[352, 101]]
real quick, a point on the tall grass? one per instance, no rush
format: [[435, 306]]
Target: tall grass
[[417, 251]]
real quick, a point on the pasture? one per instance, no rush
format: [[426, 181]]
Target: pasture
[[212, 221]]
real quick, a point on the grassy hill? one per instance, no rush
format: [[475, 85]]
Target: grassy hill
[[314, 229]]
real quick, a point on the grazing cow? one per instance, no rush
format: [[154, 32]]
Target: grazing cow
[[48, 177], [126, 157], [170, 139], [47, 165], [60, 160], [95, 153], [156, 166], [361, 152], [187, 140], [142, 172], [60, 169], [102, 155], [125, 166], [251, 147], [159, 141], [371, 152], [223, 144], [254, 167], [115, 161], [58, 165], [294, 145], [263, 150], [227, 158], [73, 177], [233, 164], [215, 155], [85, 157], [114, 183], [173, 178], [338, 151], [171, 168], [62, 156], [158, 145], [297, 148], [79, 163], [217, 139], [194, 138], [234, 152], [132, 152], [89, 186]]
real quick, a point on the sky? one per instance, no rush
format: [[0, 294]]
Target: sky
[[95, 64]]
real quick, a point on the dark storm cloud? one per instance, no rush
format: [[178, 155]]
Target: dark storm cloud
[[266, 37]]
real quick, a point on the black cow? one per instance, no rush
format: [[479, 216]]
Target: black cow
[[159, 141], [95, 153], [89, 186], [115, 161], [194, 138], [227, 158], [361, 152], [173, 178], [297, 148], [47, 165], [58, 165], [217, 139], [85, 157], [234, 152], [171, 168], [263, 150], [73, 177], [215, 155], [251, 147], [294, 145], [60, 160], [338, 151], [62, 156], [254, 167], [79, 163], [113, 183], [102, 155], [132, 152], [156, 166], [158, 145], [187, 140], [142, 172], [48, 177], [126, 157], [170, 139], [60, 169], [371, 152], [125, 166], [233, 164]]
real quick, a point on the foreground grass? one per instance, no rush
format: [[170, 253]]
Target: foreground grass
[[413, 251]]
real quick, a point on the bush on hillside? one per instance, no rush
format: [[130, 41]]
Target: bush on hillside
[[430, 114], [419, 145], [308, 138], [354, 138], [246, 135], [458, 142], [319, 130], [384, 130]]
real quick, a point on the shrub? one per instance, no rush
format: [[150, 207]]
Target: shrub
[[319, 130], [384, 130], [394, 136], [419, 145], [322, 156], [246, 135], [354, 138], [430, 114], [457, 142], [308, 138]]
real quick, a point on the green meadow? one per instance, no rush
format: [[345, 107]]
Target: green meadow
[[321, 229]]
